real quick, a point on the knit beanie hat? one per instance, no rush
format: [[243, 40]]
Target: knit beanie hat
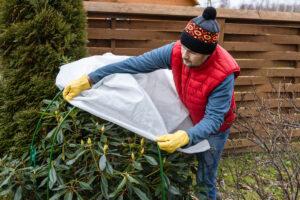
[[202, 33]]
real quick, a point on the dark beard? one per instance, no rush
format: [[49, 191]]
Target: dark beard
[[192, 67]]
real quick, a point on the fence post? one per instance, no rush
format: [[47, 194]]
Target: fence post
[[297, 80], [113, 41], [221, 23]]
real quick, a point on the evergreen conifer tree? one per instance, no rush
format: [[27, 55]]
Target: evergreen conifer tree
[[35, 35]]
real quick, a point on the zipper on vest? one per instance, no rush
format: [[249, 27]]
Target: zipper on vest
[[187, 82]]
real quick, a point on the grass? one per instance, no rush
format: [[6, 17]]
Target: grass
[[241, 176]]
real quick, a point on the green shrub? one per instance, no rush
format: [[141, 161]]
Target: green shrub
[[34, 37], [117, 164]]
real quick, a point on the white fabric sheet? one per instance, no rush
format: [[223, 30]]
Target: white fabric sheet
[[146, 104]]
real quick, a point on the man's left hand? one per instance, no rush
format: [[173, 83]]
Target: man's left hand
[[171, 142]]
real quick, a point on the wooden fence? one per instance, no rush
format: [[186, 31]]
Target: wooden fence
[[265, 44]]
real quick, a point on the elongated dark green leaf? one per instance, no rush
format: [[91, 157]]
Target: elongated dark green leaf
[[25, 169], [78, 195], [70, 162], [174, 190], [109, 168], [140, 193], [18, 195], [115, 143], [49, 135], [132, 180], [57, 195], [85, 186], [60, 137], [102, 162], [151, 160], [137, 165], [53, 177], [60, 180], [46, 101], [121, 185], [63, 167], [104, 186], [69, 195], [167, 181], [28, 187], [103, 139], [5, 171], [91, 180], [119, 188], [4, 192], [43, 182], [60, 187], [157, 190], [66, 125], [6, 180]]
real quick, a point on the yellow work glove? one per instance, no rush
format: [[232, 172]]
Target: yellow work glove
[[171, 142], [75, 87]]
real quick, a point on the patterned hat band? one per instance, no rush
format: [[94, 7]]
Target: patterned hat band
[[201, 34]]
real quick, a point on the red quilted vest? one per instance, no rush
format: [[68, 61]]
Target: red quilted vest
[[195, 85]]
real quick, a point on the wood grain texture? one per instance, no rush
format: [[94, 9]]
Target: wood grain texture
[[188, 11]]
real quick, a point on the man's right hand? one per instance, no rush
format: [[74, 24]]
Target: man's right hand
[[76, 87]]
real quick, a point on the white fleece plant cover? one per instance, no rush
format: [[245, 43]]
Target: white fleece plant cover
[[146, 104]]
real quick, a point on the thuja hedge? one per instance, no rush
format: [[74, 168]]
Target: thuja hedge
[[95, 159], [35, 36]]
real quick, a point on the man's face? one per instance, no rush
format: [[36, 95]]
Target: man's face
[[192, 59]]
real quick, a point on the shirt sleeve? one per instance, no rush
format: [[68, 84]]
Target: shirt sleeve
[[217, 107], [148, 62]]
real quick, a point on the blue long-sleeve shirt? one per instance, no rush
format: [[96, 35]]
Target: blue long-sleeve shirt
[[218, 102]]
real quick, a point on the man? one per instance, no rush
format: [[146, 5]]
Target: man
[[204, 75]]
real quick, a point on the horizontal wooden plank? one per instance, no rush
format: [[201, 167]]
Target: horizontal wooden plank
[[151, 44], [118, 51], [143, 16], [279, 87], [99, 33], [275, 39], [250, 96], [266, 121], [99, 23], [162, 25], [261, 63], [188, 11], [234, 151], [271, 72], [230, 144], [157, 2], [258, 29], [261, 88], [283, 24], [142, 43], [271, 103], [257, 46], [250, 112], [99, 43], [275, 80], [241, 80], [275, 55]]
